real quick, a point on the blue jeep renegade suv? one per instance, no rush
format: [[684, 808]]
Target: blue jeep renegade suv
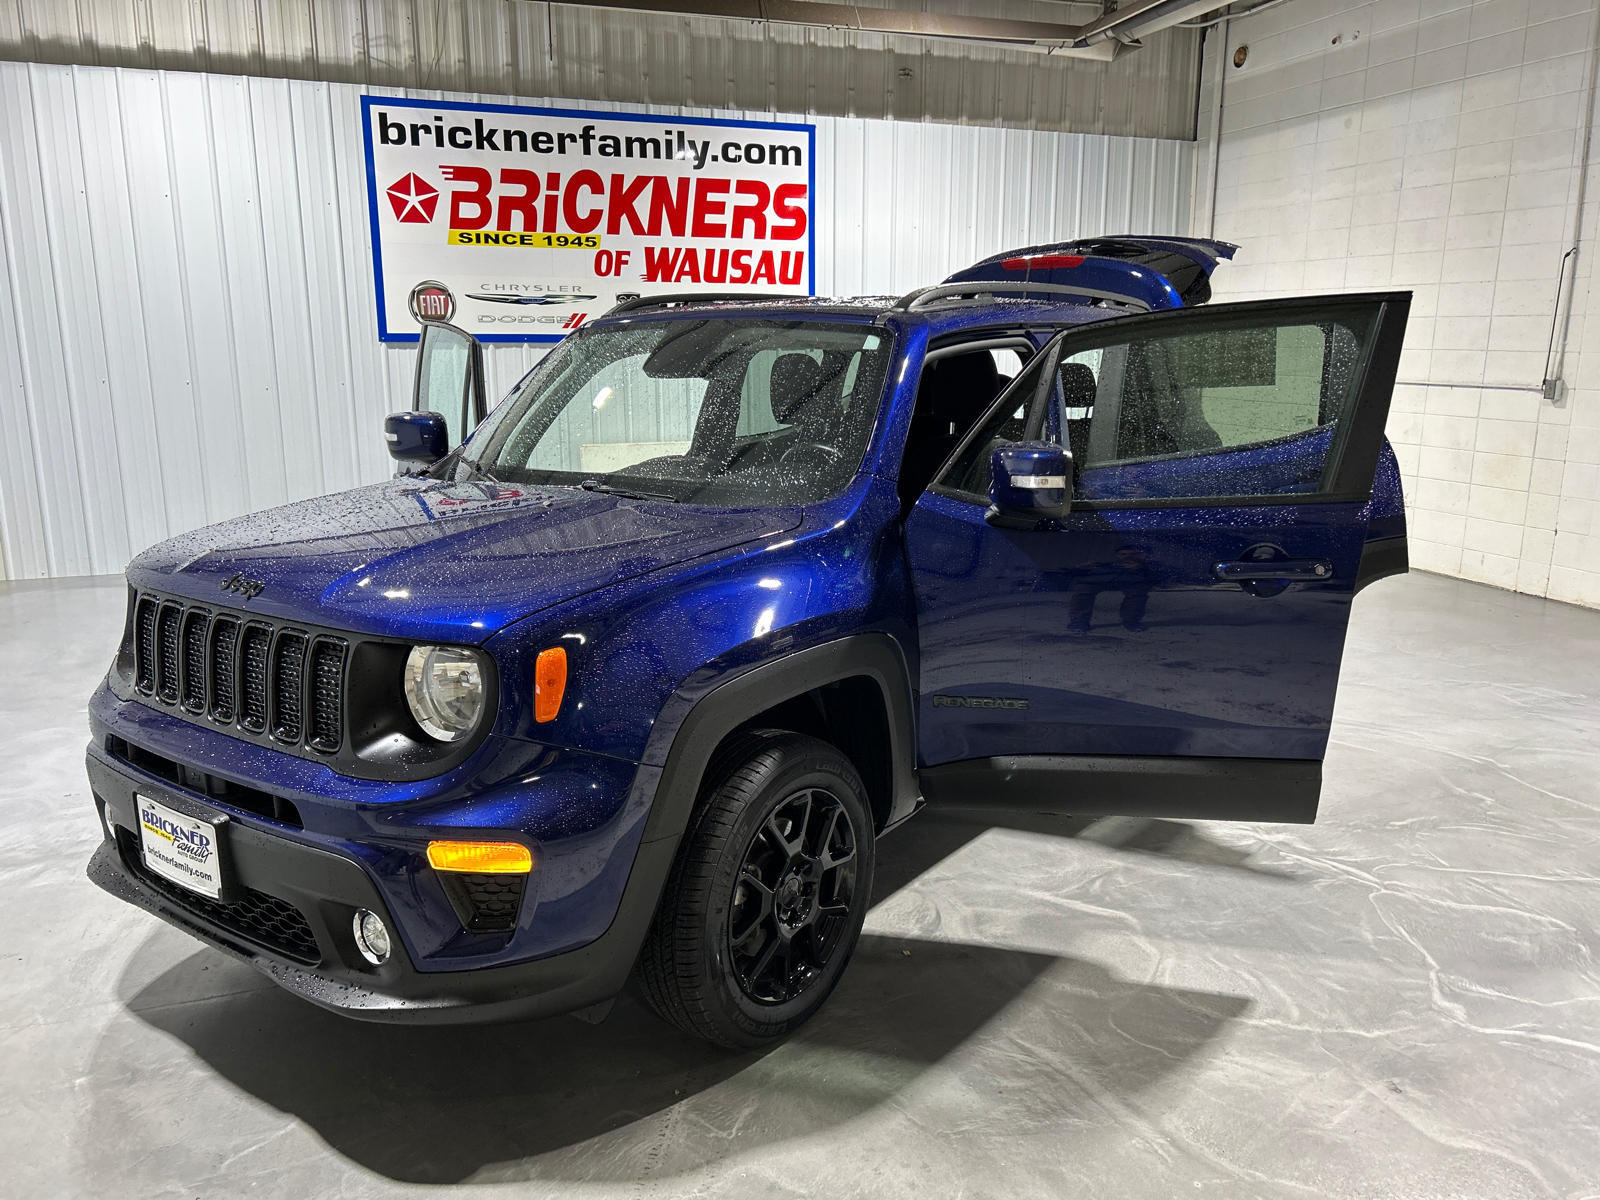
[[630, 673]]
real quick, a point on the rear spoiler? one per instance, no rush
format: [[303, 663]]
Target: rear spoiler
[[1152, 272]]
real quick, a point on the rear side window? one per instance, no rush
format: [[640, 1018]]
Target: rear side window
[[1241, 410], [1197, 406]]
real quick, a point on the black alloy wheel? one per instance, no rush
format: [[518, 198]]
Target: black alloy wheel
[[766, 898], [793, 898]]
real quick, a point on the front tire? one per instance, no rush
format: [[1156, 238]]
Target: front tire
[[765, 901]]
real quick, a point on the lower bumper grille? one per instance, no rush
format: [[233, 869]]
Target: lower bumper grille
[[485, 903], [266, 920]]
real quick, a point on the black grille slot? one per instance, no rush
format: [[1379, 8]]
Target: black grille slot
[[167, 623], [257, 917], [485, 903], [195, 622], [254, 647], [327, 694], [144, 646], [288, 686], [224, 659]]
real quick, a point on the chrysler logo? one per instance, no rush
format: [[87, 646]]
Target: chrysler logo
[[413, 199], [248, 588]]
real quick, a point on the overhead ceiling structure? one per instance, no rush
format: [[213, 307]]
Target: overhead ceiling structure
[[1043, 65], [1101, 39]]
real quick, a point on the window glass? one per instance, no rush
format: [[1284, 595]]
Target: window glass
[[1235, 410], [722, 411], [442, 376], [1007, 363], [1007, 423]]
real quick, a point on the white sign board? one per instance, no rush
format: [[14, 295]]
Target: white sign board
[[533, 220]]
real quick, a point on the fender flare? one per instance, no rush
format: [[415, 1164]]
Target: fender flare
[[730, 704], [598, 971]]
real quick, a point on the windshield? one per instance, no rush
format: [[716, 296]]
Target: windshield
[[732, 412]]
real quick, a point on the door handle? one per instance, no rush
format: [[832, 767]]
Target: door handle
[[1294, 568]]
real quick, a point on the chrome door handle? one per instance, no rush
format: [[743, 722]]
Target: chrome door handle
[[1296, 568]]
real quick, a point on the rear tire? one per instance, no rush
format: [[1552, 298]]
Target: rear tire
[[765, 901]]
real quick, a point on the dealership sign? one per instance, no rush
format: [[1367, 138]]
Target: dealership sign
[[522, 223]]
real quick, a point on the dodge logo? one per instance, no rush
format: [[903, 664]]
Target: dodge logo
[[413, 199], [248, 588]]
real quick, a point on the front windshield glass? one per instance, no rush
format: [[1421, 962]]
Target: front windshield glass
[[723, 411]]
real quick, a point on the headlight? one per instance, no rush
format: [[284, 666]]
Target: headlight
[[444, 687]]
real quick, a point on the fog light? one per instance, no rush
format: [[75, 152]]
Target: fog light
[[372, 937]]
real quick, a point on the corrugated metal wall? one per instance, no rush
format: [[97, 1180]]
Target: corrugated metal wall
[[194, 333], [529, 48]]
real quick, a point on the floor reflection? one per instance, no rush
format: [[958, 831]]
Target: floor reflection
[[564, 1100]]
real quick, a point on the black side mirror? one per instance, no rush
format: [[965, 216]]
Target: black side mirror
[[416, 437], [1029, 482]]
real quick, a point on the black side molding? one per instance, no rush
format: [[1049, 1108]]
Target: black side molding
[[1381, 558], [1197, 789]]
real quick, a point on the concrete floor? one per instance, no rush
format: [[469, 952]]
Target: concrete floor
[[1401, 1001]]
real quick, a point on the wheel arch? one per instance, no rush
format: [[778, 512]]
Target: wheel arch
[[853, 678]]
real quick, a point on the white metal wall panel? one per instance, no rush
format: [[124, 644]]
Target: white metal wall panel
[[528, 48], [195, 334]]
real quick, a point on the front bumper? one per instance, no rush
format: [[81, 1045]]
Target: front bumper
[[292, 910]]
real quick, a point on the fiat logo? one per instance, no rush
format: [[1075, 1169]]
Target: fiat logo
[[432, 301]]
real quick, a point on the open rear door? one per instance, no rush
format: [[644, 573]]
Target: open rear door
[[1171, 646]]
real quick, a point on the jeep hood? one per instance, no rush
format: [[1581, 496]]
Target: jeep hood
[[439, 561]]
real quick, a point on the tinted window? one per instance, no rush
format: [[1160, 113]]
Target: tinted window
[[1006, 423], [1237, 410]]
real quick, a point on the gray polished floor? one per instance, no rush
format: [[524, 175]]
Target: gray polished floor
[[1402, 1001]]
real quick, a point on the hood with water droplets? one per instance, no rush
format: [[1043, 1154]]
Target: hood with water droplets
[[441, 561]]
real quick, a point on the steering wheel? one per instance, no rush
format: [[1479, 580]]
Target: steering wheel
[[833, 453]]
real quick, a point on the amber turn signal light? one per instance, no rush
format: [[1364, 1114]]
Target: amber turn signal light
[[549, 683], [481, 858]]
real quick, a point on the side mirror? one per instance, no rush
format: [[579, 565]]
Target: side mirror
[[416, 437], [1029, 482]]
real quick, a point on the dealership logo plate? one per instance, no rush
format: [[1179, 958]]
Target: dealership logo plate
[[180, 848]]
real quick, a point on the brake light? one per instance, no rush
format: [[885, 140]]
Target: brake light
[[1043, 262], [481, 858], [549, 683]]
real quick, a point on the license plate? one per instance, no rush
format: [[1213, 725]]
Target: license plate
[[181, 848]]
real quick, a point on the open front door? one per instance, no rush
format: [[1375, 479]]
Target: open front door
[[449, 378], [1170, 646]]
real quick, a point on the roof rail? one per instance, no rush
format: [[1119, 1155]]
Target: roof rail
[[927, 297], [680, 299]]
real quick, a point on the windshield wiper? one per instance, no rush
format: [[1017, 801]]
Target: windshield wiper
[[477, 472], [594, 485]]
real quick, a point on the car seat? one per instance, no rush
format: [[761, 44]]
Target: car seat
[[955, 392]]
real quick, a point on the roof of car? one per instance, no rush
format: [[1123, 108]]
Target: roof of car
[[942, 315]]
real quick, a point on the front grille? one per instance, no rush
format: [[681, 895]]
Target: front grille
[[171, 616], [144, 645], [224, 657], [242, 672], [257, 917], [193, 685], [327, 693], [288, 686], [253, 677]]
